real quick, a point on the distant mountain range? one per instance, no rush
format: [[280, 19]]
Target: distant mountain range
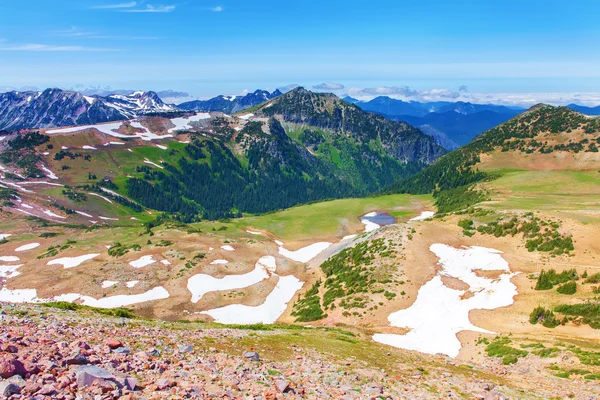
[[585, 110], [452, 124], [57, 107], [230, 104]]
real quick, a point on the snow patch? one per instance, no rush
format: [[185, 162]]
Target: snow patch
[[9, 258], [304, 254], [201, 284], [423, 216], [123, 300], [185, 123], [142, 262], [227, 248], [440, 312], [71, 262], [107, 284], [266, 313], [9, 271], [26, 247]]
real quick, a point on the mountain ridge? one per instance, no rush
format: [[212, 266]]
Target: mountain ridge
[[55, 107]]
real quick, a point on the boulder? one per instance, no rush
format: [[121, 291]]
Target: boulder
[[10, 367], [251, 355], [114, 343], [79, 359], [88, 374], [8, 388], [186, 349]]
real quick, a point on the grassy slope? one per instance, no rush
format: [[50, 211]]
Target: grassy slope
[[326, 218]]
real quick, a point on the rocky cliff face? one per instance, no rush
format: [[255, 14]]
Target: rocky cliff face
[[326, 111], [230, 104]]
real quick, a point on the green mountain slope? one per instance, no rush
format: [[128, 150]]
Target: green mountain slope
[[527, 141], [299, 148]]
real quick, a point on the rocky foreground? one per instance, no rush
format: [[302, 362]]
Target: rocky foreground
[[51, 353]]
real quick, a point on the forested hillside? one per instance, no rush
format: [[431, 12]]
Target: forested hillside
[[542, 129]]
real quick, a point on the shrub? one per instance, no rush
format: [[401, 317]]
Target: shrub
[[567, 288], [543, 316]]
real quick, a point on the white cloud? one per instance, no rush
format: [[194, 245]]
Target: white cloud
[[151, 9], [329, 86], [50, 48], [217, 9], [115, 6], [462, 94], [287, 88]]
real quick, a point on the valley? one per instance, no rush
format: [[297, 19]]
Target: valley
[[310, 214]]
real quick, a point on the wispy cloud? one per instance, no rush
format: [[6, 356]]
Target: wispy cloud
[[151, 9], [51, 48], [77, 32], [329, 86], [217, 9], [115, 6]]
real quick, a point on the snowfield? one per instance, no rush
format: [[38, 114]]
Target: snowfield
[[182, 124], [440, 312], [123, 300], [266, 313], [142, 262], [304, 254], [201, 284], [71, 262], [9, 271], [29, 246], [110, 128], [424, 215]]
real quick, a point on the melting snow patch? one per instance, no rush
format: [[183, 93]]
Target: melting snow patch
[[131, 284], [151, 163], [9, 271], [71, 262], [349, 237], [107, 284], [440, 312], [254, 233], [109, 219], [84, 214], [219, 262], [304, 254], [424, 215], [26, 247], [26, 206], [201, 284], [142, 262], [160, 146], [49, 173], [123, 300], [266, 313], [18, 295], [246, 117], [184, 123], [102, 197], [4, 235], [9, 258], [165, 262], [86, 147], [51, 214], [227, 248]]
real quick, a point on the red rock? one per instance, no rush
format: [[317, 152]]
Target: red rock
[[11, 367], [9, 348], [114, 343]]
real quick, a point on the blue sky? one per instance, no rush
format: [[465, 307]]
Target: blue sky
[[532, 50]]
